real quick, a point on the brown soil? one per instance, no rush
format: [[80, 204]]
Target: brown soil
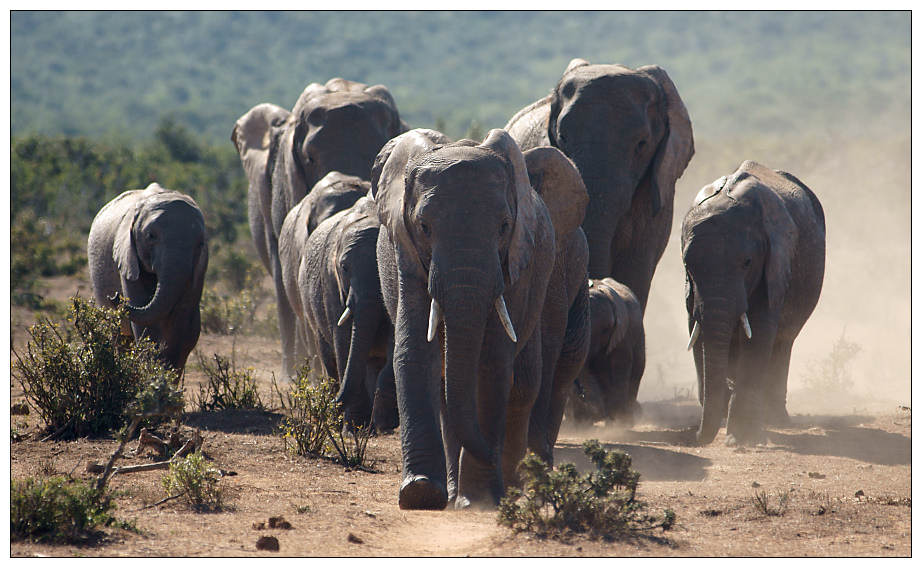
[[847, 477]]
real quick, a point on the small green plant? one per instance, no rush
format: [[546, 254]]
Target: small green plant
[[312, 415], [351, 447], [82, 375], [227, 387], [832, 374], [57, 509], [192, 477], [762, 503], [600, 504]]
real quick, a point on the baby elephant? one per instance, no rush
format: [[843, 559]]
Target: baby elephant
[[608, 382], [147, 247]]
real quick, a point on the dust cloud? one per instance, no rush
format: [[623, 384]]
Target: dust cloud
[[864, 187]]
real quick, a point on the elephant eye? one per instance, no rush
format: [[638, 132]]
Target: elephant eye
[[641, 146], [747, 263], [151, 237], [424, 228], [504, 228]]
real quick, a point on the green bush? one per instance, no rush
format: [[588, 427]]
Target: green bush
[[601, 504], [227, 387], [312, 415], [192, 477], [82, 376], [57, 509]]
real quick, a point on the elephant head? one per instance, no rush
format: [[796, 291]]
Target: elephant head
[[738, 242], [628, 133], [161, 254], [339, 126], [616, 323], [465, 224]]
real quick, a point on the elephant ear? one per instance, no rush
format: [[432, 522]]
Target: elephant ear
[[522, 242], [778, 228], [124, 252], [555, 178], [289, 178], [677, 147], [574, 63], [389, 181], [252, 136]]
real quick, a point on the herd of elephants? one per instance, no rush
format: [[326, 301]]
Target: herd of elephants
[[474, 292]]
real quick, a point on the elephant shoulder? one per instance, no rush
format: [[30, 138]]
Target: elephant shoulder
[[529, 126]]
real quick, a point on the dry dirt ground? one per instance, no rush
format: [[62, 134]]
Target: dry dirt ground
[[847, 478]]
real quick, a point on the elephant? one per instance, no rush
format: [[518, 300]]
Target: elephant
[[339, 126], [754, 249], [334, 193], [147, 250], [344, 313], [465, 257], [630, 136], [608, 384]]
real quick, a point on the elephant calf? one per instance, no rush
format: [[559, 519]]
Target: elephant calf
[[148, 246], [609, 381], [754, 248]]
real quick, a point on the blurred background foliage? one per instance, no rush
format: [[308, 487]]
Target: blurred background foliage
[[103, 102]]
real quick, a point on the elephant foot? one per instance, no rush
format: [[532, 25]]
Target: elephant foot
[[385, 416], [421, 493], [777, 416], [755, 438]]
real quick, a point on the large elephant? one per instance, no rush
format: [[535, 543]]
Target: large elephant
[[609, 382], [339, 126], [334, 193], [345, 315], [465, 259], [630, 136], [149, 248], [754, 248]]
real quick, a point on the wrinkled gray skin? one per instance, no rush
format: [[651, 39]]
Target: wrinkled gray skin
[[466, 244], [609, 381], [148, 248], [339, 126], [339, 272], [334, 193], [753, 244], [565, 323], [630, 136]]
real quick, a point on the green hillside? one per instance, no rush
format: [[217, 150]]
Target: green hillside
[[120, 73]]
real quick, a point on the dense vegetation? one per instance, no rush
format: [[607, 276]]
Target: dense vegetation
[[119, 73]]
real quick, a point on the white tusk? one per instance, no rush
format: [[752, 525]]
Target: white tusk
[[504, 317], [696, 331], [345, 317], [746, 327], [435, 317]]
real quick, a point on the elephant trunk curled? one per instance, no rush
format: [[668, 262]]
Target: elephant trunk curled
[[170, 284]]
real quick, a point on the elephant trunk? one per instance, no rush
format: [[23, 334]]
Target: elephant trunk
[[465, 297], [366, 316], [170, 285], [718, 319], [610, 196]]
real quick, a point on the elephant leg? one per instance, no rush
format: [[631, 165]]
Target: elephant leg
[[502, 414], [417, 373], [384, 413], [540, 418], [776, 385], [522, 399], [744, 419], [286, 316]]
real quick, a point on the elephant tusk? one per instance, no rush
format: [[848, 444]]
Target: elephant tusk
[[345, 317], [435, 317], [504, 317], [696, 331], [746, 327]]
